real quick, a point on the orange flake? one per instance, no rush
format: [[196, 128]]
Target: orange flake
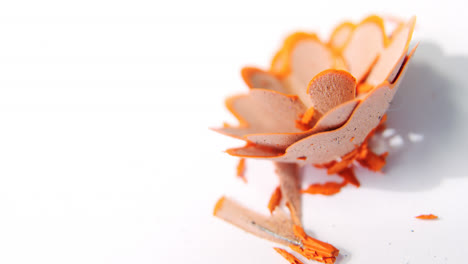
[[218, 205], [303, 123], [349, 176], [361, 154], [241, 170], [339, 166], [364, 88], [328, 188], [314, 249], [306, 118], [288, 256], [324, 165], [308, 115], [373, 161], [275, 199], [364, 150], [427, 217], [301, 126]]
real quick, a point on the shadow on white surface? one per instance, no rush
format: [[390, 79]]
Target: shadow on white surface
[[430, 102]]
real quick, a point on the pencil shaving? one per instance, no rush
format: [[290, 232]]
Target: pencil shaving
[[319, 104]]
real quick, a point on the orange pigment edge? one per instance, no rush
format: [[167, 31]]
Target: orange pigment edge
[[294, 38], [275, 199], [218, 205], [241, 170], [338, 28], [328, 188], [287, 48], [349, 176]]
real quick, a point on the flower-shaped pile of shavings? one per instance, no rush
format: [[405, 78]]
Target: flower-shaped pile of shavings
[[318, 104]]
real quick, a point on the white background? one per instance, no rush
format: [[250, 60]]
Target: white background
[[106, 156]]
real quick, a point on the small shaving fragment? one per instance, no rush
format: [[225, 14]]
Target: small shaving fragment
[[274, 200], [241, 170], [328, 188], [306, 118], [288, 256], [349, 176], [373, 161], [427, 217], [314, 249]]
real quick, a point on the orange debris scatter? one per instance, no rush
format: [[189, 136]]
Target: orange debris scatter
[[427, 217], [362, 154], [241, 170], [336, 167], [288, 256], [275, 199], [373, 161], [314, 249], [349, 176], [328, 188]]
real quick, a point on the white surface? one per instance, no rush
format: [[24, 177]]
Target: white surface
[[396, 141], [106, 156], [413, 137]]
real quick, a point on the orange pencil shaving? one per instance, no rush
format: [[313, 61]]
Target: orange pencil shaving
[[427, 217], [275, 199], [241, 170], [319, 103], [288, 256], [328, 188]]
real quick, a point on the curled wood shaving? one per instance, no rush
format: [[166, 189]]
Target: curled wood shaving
[[288, 175], [277, 227]]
